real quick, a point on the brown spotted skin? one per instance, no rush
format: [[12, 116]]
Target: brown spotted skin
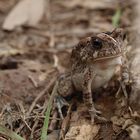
[[95, 60]]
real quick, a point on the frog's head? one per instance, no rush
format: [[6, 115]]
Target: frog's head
[[100, 46], [108, 44]]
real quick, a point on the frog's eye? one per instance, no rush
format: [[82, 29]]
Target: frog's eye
[[96, 43]]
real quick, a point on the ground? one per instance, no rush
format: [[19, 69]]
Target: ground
[[31, 59]]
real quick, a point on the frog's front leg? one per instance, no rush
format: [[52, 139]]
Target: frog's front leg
[[87, 96]]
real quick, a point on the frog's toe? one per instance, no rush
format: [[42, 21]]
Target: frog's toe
[[98, 112], [95, 116], [59, 103], [95, 112], [101, 119]]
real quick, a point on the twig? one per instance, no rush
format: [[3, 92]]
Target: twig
[[22, 110], [53, 121], [27, 125], [33, 128], [55, 61], [37, 121], [40, 95], [65, 122], [3, 109], [41, 117], [35, 101], [33, 81]]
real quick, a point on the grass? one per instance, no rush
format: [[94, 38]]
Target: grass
[[9, 133], [14, 136], [46, 122], [116, 18], [47, 114]]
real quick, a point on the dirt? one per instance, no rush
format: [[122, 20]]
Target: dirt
[[31, 58]]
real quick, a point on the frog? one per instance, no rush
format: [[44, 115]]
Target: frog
[[95, 60]]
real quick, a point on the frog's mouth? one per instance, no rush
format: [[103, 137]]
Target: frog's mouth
[[109, 54], [107, 57]]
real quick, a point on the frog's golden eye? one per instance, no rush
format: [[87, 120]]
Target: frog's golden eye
[[96, 43]]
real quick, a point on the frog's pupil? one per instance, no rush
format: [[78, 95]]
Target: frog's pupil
[[97, 44]]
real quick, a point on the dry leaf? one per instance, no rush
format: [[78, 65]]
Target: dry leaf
[[82, 132], [27, 12], [134, 132]]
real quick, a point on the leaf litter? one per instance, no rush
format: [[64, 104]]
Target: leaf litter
[[41, 53]]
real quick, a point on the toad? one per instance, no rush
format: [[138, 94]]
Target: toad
[[95, 61]]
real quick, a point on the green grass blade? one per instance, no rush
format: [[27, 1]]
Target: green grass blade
[[47, 114], [116, 18], [6, 132], [46, 123]]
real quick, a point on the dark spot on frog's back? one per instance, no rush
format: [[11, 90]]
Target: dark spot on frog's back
[[96, 43]]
